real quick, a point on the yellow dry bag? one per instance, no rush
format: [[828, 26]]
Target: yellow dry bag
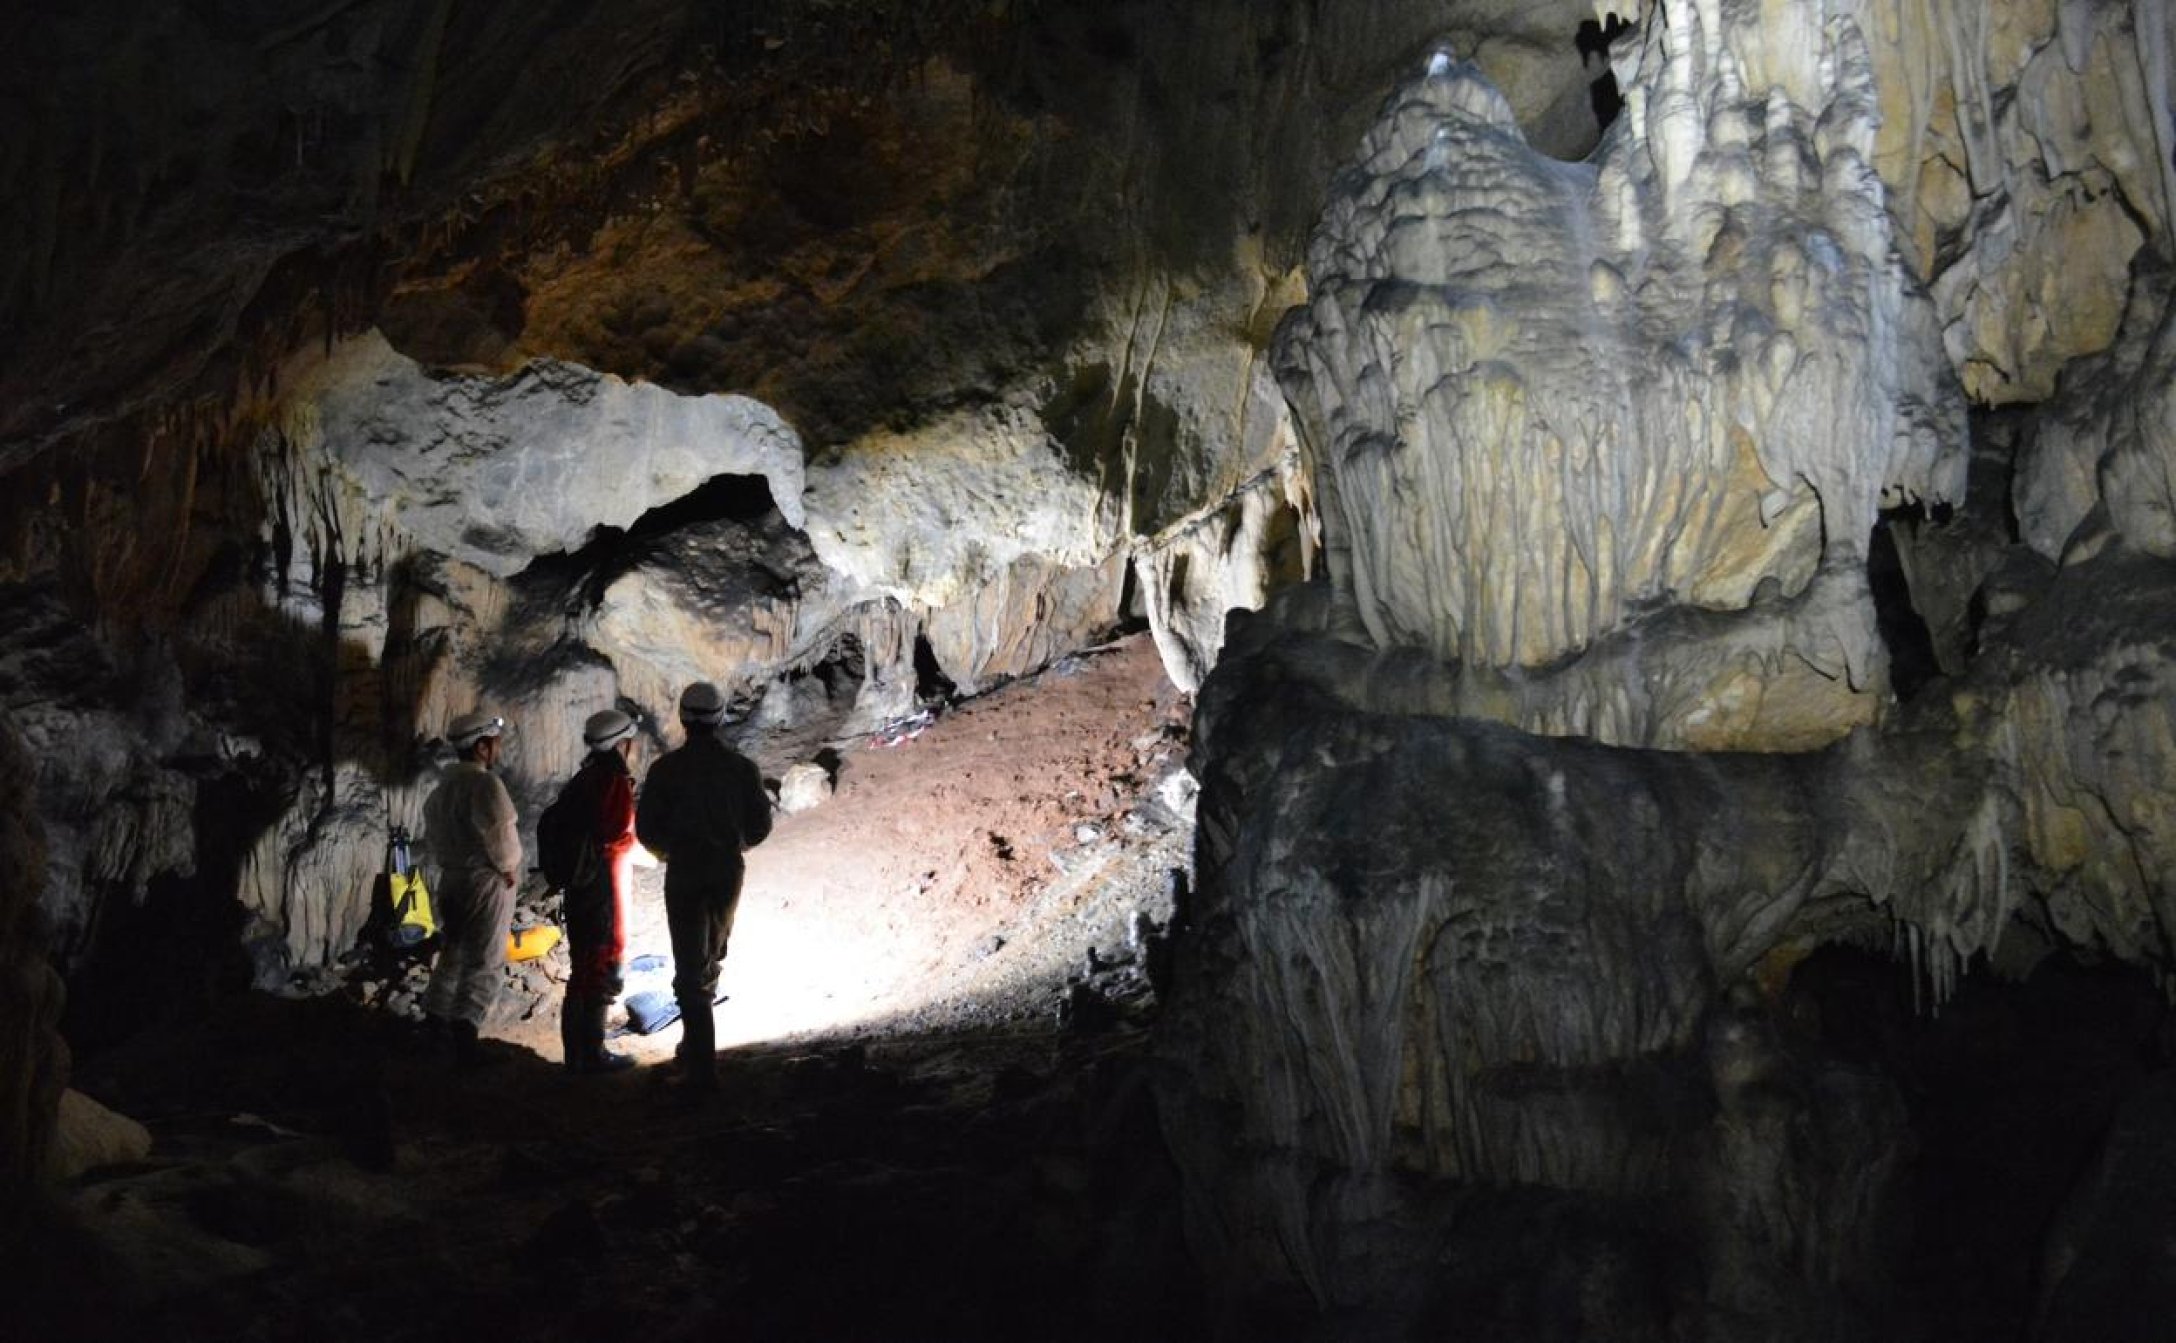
[[413, 923]]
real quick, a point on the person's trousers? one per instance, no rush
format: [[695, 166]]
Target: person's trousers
[[699, 910], [474, 910], [596, 940]]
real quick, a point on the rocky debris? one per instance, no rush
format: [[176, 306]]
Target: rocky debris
[[1025, 1155], [393, 980], [804, 786]]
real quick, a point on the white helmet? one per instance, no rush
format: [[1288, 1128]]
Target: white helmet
[[473, 727], [606, 729], [702, 705]]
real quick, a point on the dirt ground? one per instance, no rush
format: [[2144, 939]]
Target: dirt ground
[[934, 1120], [960, 874]]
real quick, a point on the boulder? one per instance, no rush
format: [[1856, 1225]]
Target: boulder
[[87, 1136]]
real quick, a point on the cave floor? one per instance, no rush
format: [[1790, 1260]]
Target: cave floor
[[319, 1173]]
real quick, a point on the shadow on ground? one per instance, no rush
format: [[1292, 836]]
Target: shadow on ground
[[319, 1173]]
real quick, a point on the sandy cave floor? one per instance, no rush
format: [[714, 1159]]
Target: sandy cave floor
[[912, 1139]]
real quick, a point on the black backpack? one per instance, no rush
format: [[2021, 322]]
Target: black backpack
[[566, 839]]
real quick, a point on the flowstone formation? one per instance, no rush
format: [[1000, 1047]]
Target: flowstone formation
[[1516, 821], [1546, 401]]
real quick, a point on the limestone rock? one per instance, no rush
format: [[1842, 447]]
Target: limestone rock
[[34, 1060], [116, 813], [728, 601], [306, 885], [980, 522], [1026, 617], [1262, 539], [2079, 695], [1431, 952], [2106, 447], [496, 471], [2026, 146], [1543, 401], [88, 1135], [802, 787], [927, 517]]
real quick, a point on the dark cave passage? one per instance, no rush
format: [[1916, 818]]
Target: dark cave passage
[[2015, 1089], [1912, 662]]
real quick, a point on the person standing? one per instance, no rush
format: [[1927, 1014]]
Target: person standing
[[470, 824], [602, 793], [702, 807]]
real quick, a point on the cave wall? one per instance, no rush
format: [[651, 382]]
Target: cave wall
[[34, 1060], [1516, 821]]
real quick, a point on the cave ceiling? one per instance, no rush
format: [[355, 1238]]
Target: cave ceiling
[[854, 212]]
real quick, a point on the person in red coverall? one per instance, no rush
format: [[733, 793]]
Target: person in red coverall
[[597, 899]]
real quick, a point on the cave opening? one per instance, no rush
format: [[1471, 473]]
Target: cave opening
[[1912, 661], [1592, 41], [724, 505], [931, 685]]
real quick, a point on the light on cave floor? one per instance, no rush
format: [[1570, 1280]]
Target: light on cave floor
[[788, 972]]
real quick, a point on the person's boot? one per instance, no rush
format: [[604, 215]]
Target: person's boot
[[698, 1047], [432, 1035], [469, 1053], [571, 1040], [602, 1057]]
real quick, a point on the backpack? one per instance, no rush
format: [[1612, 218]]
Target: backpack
[[566, 841], [411, 923]]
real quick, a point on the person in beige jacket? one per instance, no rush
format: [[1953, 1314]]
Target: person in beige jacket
[[470, 825]]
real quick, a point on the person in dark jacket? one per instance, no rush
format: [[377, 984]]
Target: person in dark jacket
[[603, 790], [702, 807]]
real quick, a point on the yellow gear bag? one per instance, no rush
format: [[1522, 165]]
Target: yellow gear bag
[[526, 944], [407, 898], [412, 918]]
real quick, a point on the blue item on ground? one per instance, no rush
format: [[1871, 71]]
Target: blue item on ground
[[651, 1011]]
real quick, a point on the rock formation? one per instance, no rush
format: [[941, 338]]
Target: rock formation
[[33, 1058], [1547, 401], [1601, 453]]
